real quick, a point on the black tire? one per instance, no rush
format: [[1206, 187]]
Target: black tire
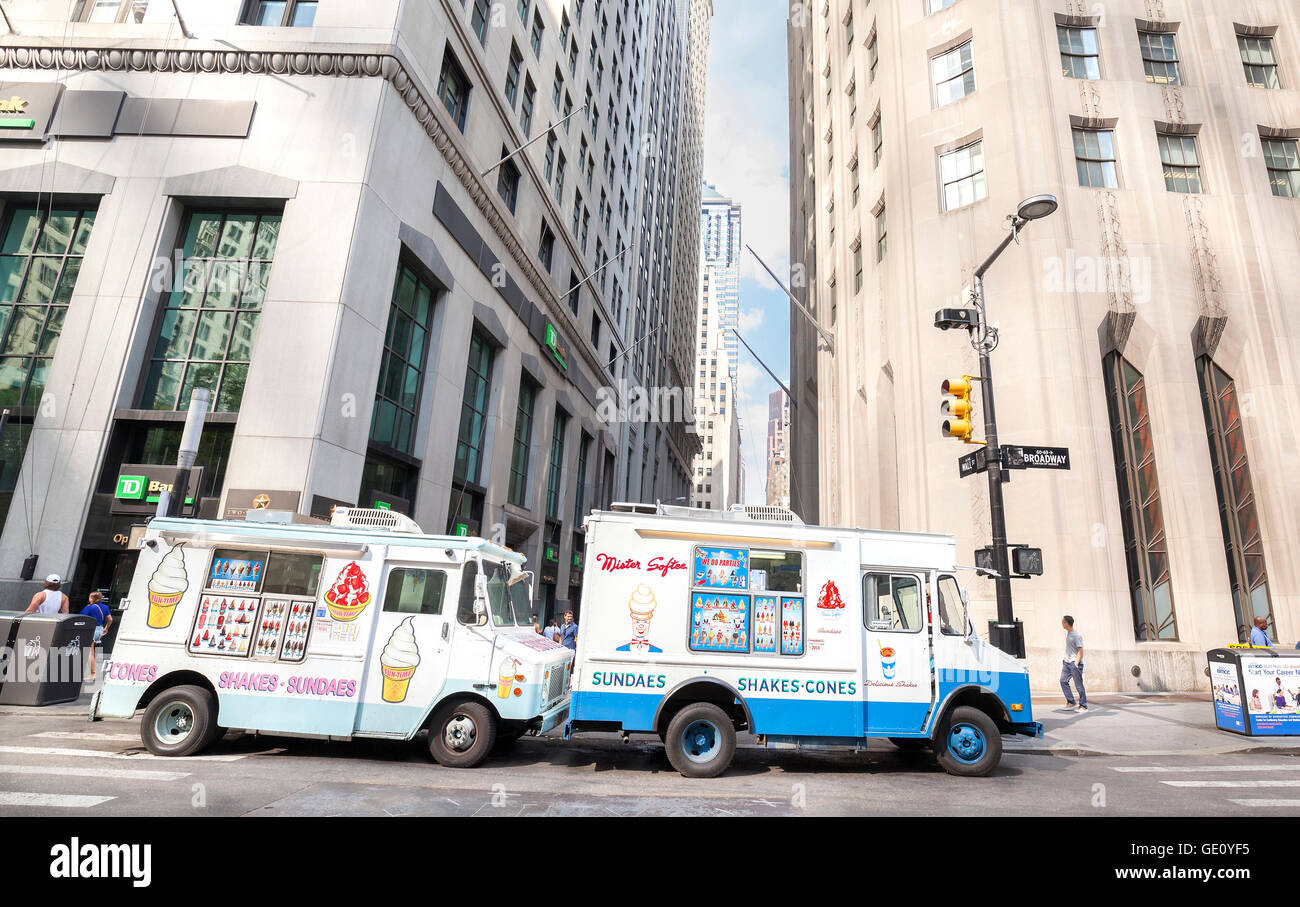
[[179, 722], [711, 745], [462, 734], [969, 743]]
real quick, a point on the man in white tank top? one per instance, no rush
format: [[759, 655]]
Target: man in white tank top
[[50, 600]]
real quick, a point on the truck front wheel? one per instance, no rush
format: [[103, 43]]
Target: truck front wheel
[[969, 743], [462, 734], [700, 741], [180, 721]]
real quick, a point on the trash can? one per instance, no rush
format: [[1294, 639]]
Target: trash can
[[1256, 691], [47, 654]]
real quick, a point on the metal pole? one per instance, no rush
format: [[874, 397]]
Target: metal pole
[[997, 513], [172, 503], [4, 423], [540, 136]]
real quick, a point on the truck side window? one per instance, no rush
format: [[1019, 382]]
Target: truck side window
[[952, 612], [412, 590], [892, 602], [465, 607]]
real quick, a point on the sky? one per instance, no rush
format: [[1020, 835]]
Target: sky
[[747, 157]]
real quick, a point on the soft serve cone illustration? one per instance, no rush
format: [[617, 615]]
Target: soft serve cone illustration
[[166, 587], [399, 660]]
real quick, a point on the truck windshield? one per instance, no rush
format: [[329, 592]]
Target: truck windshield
[[498, 594], [522, 604]]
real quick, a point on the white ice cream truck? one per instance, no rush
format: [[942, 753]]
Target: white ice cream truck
[[699, 624], [364, 627]]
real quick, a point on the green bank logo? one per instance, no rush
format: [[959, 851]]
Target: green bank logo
[[557, 351], [131, 488]]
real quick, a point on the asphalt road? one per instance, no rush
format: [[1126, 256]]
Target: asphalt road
[[60, 764]]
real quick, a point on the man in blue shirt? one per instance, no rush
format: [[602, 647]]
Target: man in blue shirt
[[1259, 635], [569, 632]]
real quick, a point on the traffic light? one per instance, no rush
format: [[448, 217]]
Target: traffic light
[[958, 412]]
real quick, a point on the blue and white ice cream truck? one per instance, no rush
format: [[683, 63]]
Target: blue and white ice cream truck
[[698, 625], [364, 627]]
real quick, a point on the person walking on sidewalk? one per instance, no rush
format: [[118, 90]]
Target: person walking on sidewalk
[[50, 600], [103, 620], [1072, 666]]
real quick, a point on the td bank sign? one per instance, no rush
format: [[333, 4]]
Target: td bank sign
[[140, 487]]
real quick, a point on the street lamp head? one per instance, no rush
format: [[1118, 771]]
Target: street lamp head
[[1037, 206]]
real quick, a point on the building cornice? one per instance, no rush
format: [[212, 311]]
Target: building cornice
[[336, 61]]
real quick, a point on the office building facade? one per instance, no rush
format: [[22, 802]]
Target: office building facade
[[1146, 326], [299, 207], [778, 449]]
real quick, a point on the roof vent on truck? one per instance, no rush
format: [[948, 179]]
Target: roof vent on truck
[[373, 518], [742, 513]]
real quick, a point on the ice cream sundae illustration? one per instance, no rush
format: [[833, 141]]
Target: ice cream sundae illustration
[[887, 661], [166, 587], [399, 660], [641, 606], [348, 597]]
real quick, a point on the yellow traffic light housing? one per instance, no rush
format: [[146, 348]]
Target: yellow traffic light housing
[[959, 412]]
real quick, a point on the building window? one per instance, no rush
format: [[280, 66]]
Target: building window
[[1145, 547], [857, 267], [508, 181], [962, 175], [1094, 157], [546, 248], [523, 10], [401, 369], [1182, 166], [559, 180], [877, 140], [294, 13], [1258, 60], [551, 144], [453, 89], [1283, 163], [575, 293], [473, 412], [557, 465], [1079, 56], [512, 75], [580, 491], [206, 329], [133, 11], [953, 74], [520, 460], [535, 38], [478, 19], [881, 234], [526, 109], [873, 56], [1240, 523], [857, 183], [935, 5], [1160, 57], [39, 263]]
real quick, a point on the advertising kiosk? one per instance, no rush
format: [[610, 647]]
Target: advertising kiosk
[[1256, 691]]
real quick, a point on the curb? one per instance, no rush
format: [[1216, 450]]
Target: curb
[[1079, 751]]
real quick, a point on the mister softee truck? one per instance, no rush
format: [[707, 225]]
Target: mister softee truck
[[362, 628], [702, 624]]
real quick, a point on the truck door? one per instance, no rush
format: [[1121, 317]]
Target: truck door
[[897, 659], [407, 664]]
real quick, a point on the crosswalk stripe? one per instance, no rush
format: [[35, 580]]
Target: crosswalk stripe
[[68, 801], [92, 771], [1265, 802], [1206, 768], [1267, 782], [104, 754], [86, 735]]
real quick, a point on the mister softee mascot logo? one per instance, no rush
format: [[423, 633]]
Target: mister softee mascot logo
[[641, 606], [829, 603]]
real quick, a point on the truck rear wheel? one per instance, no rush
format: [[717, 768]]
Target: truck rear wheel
[[179, 722], [462, 734], [700, 741], [969, 743]]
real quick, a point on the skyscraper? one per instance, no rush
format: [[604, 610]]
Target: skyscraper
[[778, 449], [1140, 326], [719, 473]]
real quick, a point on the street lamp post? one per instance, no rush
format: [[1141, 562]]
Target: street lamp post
[[1009, 636]]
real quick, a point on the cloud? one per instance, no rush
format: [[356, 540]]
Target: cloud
[[751, 319]]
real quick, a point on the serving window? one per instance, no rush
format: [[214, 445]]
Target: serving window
[[256, 604], [747, 600], [415, 590]]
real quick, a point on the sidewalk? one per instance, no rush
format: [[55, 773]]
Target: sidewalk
[[1136, 724]]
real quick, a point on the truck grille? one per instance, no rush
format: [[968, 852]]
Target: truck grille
[[559, 682]]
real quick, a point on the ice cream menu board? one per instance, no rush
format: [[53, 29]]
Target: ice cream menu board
[[283, 629], [765, 610], [722, 568], [224, 624], [791, 626], [719, 623], [237, 571]]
